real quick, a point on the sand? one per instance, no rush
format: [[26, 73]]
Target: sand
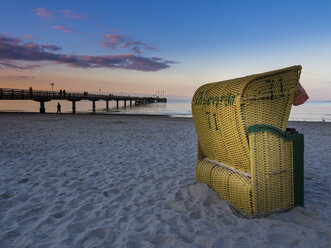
[[129, 181]]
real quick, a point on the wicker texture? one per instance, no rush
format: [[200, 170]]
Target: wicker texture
[[230, 185], [272, 167], [253, 171]]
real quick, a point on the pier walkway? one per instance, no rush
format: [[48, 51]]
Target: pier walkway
[[43, 96]]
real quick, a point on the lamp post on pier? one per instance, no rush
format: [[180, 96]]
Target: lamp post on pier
[[52, 84]]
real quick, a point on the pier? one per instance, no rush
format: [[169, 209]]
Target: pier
[[43, 96]]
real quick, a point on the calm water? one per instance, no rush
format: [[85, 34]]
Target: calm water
[[310, 111]]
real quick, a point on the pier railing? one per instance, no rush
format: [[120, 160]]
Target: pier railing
[[43, 96]]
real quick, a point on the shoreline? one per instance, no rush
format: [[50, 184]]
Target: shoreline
[[173, 116]]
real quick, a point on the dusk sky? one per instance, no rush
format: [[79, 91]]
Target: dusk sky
[[176, 46]]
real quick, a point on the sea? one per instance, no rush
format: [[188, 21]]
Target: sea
[[316, 111]]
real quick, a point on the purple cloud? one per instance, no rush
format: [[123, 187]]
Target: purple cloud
[[12, 49], [71, 15], [63, 29], [114, 41], [10, 40], [51, 47], [16, 66], [43, 13]]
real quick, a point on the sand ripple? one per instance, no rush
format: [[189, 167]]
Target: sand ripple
[[119, 181]]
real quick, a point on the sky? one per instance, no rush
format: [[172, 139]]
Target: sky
[[147, 47]]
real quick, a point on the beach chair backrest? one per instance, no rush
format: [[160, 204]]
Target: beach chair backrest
[[224, 111]]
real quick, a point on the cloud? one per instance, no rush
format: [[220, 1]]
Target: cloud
[[71, 15], [9, 64], [24, 77], [43, 13], [63, 29], [46, 14], [112, 40], [27, 36], [10, 40], [12, 49], [170, 62], [115, 41], [31, 45], [51, 47]]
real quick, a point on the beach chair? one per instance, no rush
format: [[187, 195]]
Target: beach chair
[[244, 151]]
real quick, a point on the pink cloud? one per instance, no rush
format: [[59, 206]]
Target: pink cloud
[[71, 15], [31, 45], [43, 13], [63, 29], [27, 36]]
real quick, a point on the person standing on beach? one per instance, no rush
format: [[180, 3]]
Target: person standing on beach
[[58, 108]]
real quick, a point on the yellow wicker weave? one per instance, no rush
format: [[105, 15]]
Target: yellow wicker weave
[[243, 151]]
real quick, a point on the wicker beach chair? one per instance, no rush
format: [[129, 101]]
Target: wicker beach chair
[[244, 151]]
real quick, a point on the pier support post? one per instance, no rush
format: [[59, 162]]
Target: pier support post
[[117, 104], [107, 105], [74, 107], [93, 106], [42, 107], [130, 103], [124, 103]]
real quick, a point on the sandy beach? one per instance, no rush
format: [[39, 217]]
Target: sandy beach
[[129, 181]]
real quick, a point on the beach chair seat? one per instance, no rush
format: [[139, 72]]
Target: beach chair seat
[[244, 151]]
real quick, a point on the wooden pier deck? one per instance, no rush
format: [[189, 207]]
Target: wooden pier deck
[[43, 96]]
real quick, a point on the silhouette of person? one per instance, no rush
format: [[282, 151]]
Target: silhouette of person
[[30, 91], [58, 108], [60, 94], [64, 93]]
